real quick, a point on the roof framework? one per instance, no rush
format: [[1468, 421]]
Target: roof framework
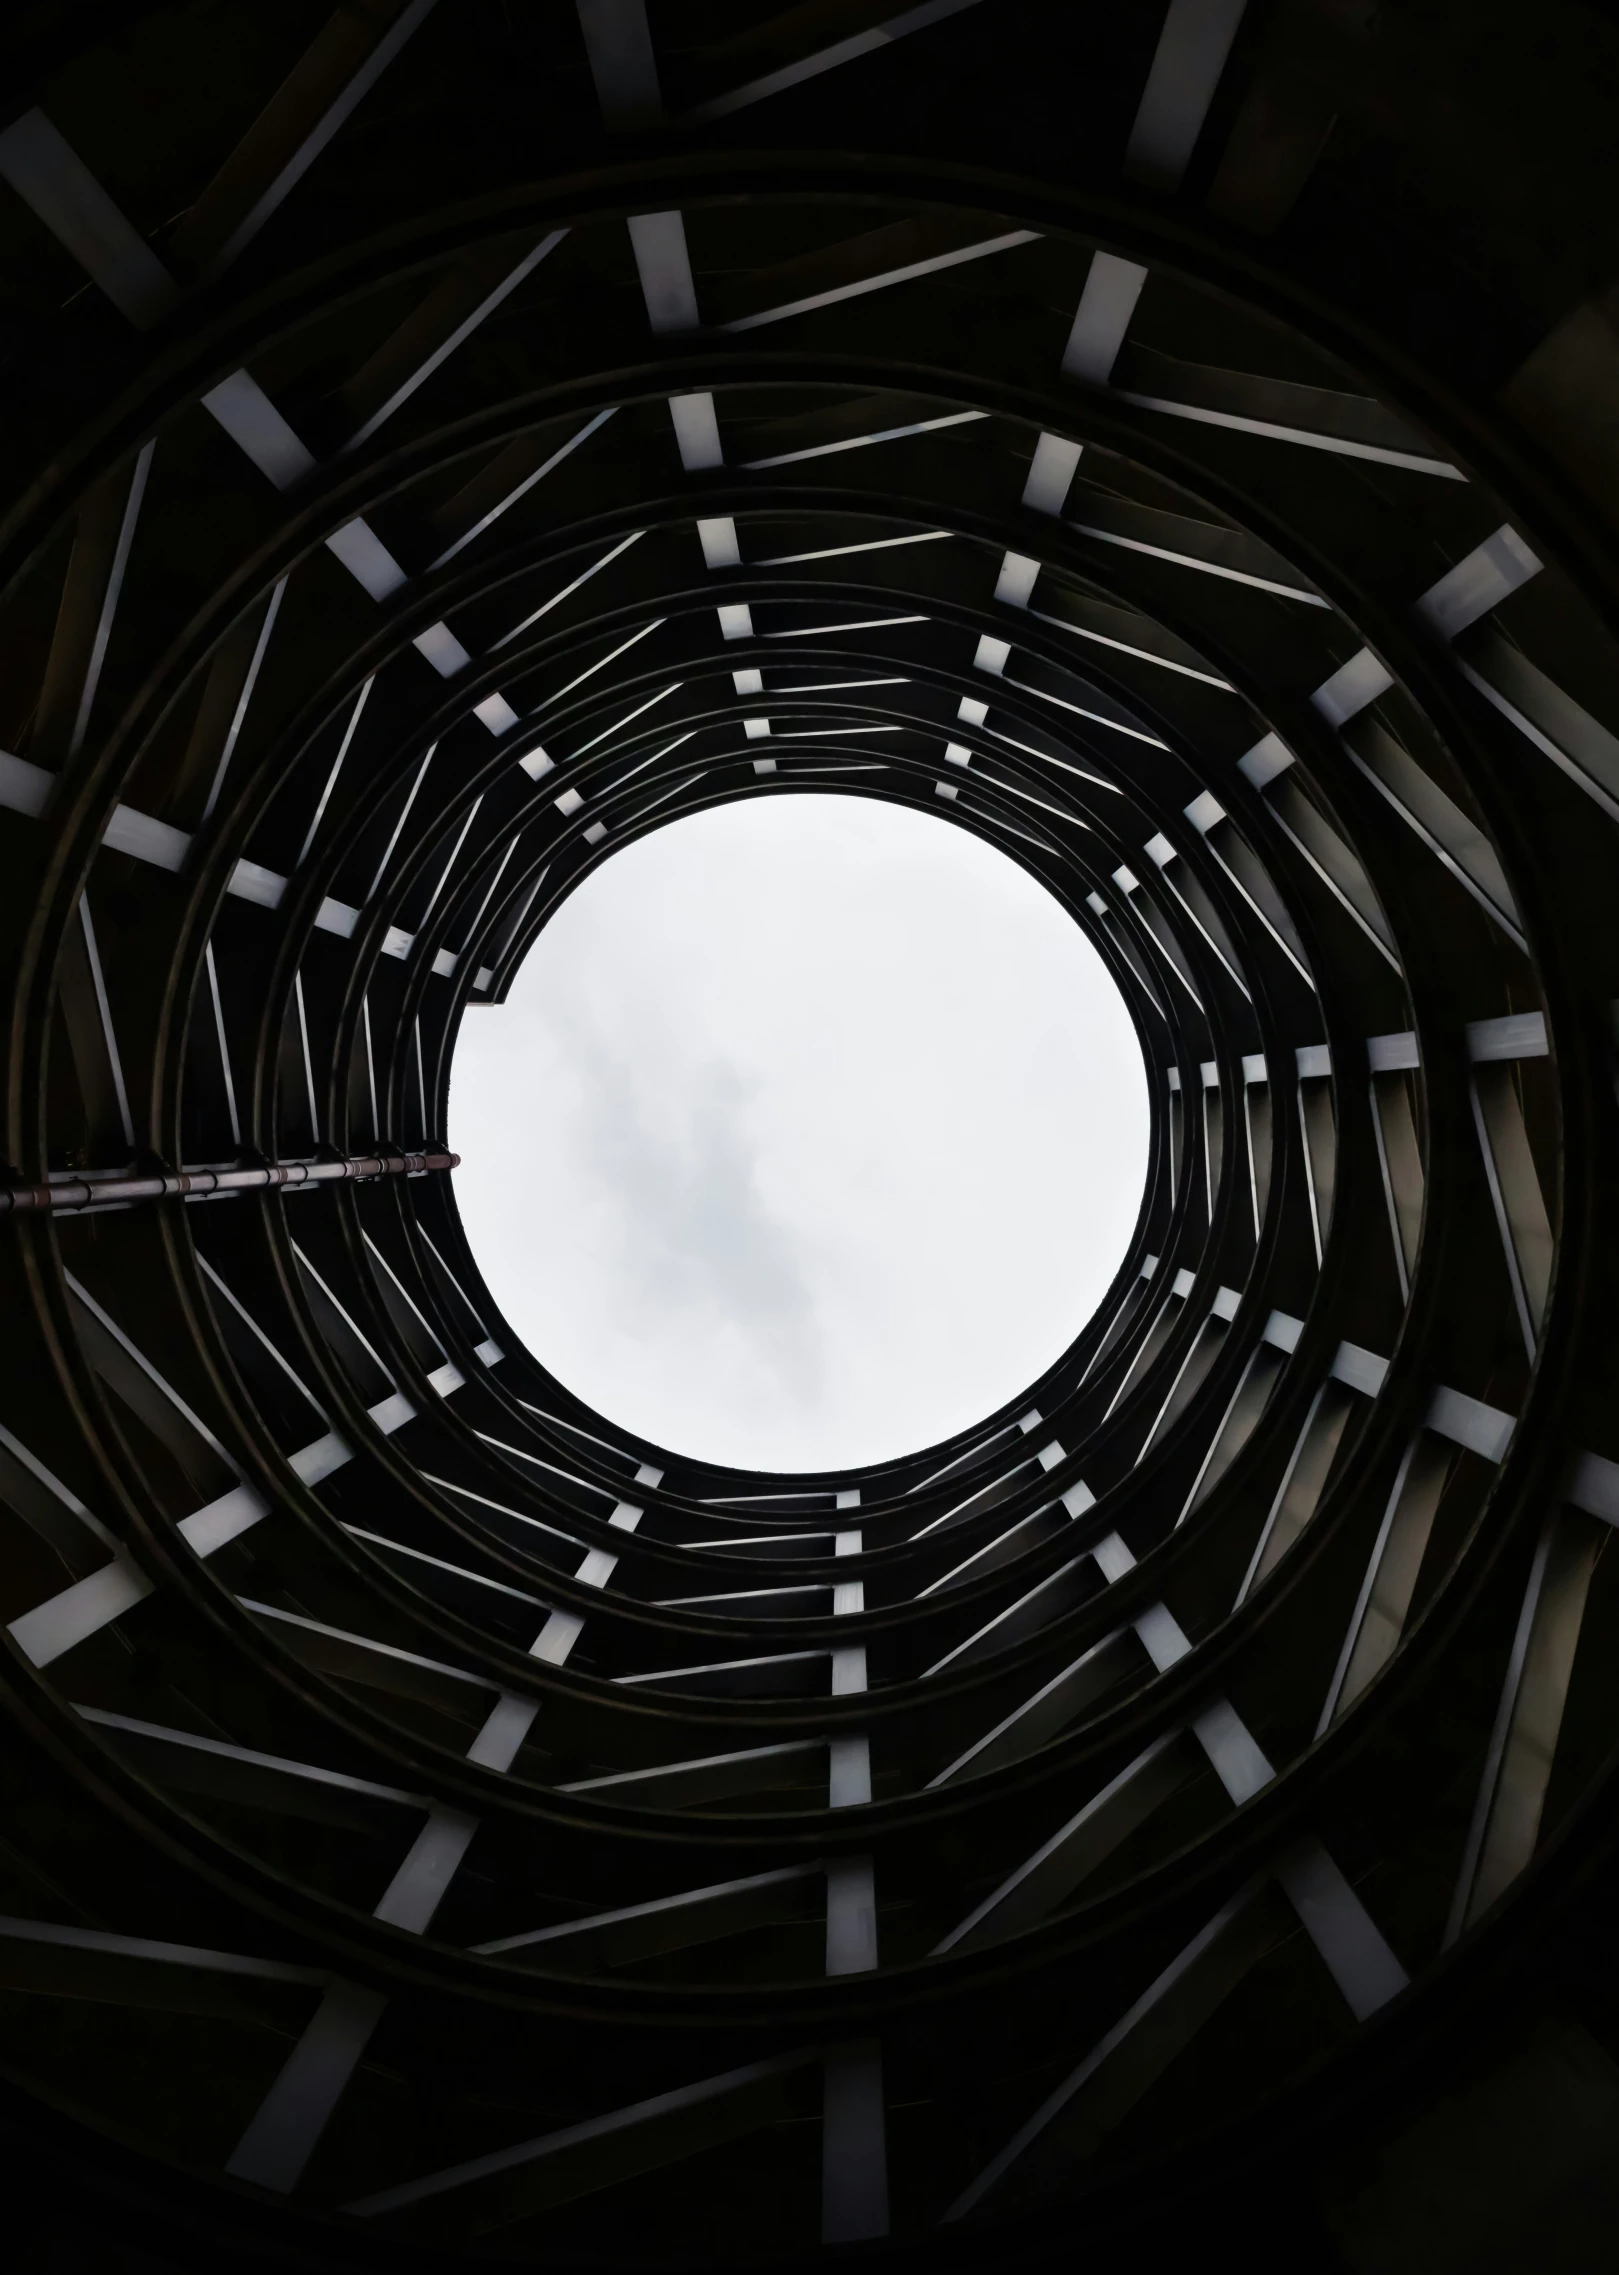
[[494, 1833]]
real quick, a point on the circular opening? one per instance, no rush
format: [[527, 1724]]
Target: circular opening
[[812, 1130]]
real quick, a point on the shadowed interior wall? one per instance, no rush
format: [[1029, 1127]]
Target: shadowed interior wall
[[444, 444]]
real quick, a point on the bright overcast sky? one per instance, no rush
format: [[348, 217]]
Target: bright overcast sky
[[811, 1132]]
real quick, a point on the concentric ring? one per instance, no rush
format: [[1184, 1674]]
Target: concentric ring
[[494, 1834]]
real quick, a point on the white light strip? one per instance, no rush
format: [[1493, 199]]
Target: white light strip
[[1142, 655], [404, 815], [1011, 790], [331, 779], [603, 661], [671, 689], [862, 441], [1046, 759], [849, 50], [484, 521], [1206, 568], [664, 266], [836, 552], [464, 330], [865, 624], [557, 598], [1186, 68], [1411, 460], [836, 686], [879, 283], [50, 176], [642, 764], [1136, 734]]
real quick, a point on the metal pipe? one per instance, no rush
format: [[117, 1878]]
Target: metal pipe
[[197, 1184]]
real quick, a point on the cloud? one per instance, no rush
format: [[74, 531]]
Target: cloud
[[698, 1245]]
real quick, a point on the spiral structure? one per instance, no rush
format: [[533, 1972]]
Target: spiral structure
[[446, 444]]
